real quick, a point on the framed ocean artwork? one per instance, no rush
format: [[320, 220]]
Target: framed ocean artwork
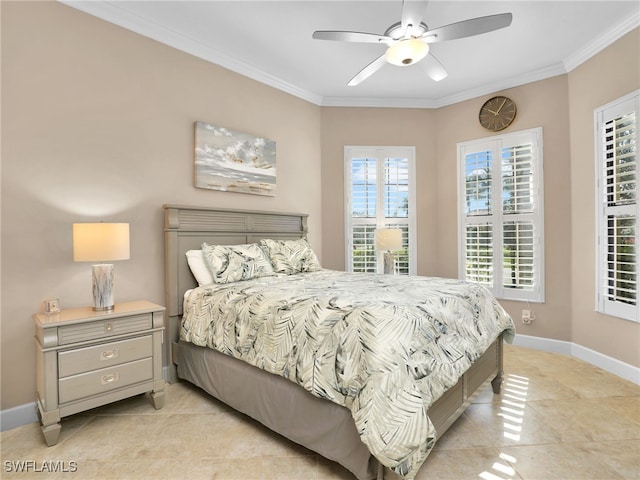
[[234, 161]]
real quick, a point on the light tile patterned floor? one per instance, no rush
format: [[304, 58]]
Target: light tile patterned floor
[[558, 418]]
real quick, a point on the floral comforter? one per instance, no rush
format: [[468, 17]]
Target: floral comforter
[[384, 346]]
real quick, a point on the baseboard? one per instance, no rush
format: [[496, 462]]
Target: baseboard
[[544, 344], [609, 364], [23, 414], [18, 416]]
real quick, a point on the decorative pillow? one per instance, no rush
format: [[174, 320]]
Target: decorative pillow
[[291, 256], [234, 263], [199, 267]]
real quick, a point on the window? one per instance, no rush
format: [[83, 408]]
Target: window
[[500, 204], [379, 192], [617, 203]]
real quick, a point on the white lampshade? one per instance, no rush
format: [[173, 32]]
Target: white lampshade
[[388, 239], [98, 242], [101, 242], [406, 52]]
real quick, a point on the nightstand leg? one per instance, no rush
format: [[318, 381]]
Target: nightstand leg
[[50, 424], [158, 399], [51, 433]]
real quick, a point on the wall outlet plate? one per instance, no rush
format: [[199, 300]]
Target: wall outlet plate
[[52, 306]]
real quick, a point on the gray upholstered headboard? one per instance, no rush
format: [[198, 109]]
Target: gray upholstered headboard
[[186, 227]]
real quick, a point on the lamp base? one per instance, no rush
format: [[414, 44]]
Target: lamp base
[[389, 262], [102, 287]]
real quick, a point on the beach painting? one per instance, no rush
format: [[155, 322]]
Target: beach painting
[[234, 161]]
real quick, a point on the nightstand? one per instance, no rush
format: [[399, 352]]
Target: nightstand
[[86, 359]]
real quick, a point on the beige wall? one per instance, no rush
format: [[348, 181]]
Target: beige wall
[[604, 78], [98, 125]]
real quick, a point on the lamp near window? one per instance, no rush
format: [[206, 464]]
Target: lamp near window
[[101, 242], [389, 239]]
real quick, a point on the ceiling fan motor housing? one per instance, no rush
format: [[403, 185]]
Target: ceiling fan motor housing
[[396, 32]]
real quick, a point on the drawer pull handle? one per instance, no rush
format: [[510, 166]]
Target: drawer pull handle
[[110, 378], [108, 327], [109, 354]]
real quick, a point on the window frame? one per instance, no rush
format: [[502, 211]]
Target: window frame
[[497, 219], [380, 153], [602, 115]]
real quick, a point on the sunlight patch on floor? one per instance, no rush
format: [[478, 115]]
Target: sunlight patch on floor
[[512, 407]]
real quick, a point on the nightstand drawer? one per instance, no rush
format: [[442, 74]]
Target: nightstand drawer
[[103, 380], [105, 355], [105, 328]]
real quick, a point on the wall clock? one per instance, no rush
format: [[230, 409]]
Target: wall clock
[[497, 113]]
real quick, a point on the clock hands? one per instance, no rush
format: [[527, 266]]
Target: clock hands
[[497, 112], [503, 102]]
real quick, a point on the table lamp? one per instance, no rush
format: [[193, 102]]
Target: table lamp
[[389, 239], [101, 242]]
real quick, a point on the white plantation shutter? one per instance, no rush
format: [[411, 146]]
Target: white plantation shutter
[[479, 254], [519, 249], [363, 250], [379, 189], [616, 156], [501, 214], [519, 227], [478, 182]]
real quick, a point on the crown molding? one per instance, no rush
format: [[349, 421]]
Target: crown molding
[[114, 13], [598, 44], [377, 102], [486, 89], [503, 84]]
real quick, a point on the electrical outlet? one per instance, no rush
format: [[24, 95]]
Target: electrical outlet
[[526, 316]]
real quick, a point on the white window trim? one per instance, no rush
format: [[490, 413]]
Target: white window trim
[[537, 295], [350, 152], [601, 115]]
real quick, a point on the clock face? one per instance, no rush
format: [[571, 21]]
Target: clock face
[[497, 113]]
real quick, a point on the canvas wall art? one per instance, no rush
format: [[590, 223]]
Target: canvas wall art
[[234, 161]]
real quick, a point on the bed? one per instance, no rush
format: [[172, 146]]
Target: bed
[[325, 426]]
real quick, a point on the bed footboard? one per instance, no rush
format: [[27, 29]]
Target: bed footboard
[[486, 370]]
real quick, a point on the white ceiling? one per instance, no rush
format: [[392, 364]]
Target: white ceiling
[[270, 41]]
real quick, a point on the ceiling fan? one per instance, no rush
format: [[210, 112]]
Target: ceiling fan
[[408, 40]]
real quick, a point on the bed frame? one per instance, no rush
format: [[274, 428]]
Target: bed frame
[[329, 430]]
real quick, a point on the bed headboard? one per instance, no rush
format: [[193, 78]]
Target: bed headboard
[[186, 227]]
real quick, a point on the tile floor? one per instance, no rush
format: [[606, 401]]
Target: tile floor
[[558, 418]]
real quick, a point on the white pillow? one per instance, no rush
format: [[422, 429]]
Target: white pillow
[[199, 267]]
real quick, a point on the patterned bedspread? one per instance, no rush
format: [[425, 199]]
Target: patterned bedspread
[[384, 346]]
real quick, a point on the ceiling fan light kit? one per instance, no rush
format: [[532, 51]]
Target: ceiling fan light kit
[[408, 40], [406, 52]]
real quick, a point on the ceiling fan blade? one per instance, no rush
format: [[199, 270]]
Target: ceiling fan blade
[[468, 28], [412, 14], [342, 36], [367, 71], [434, 68]]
